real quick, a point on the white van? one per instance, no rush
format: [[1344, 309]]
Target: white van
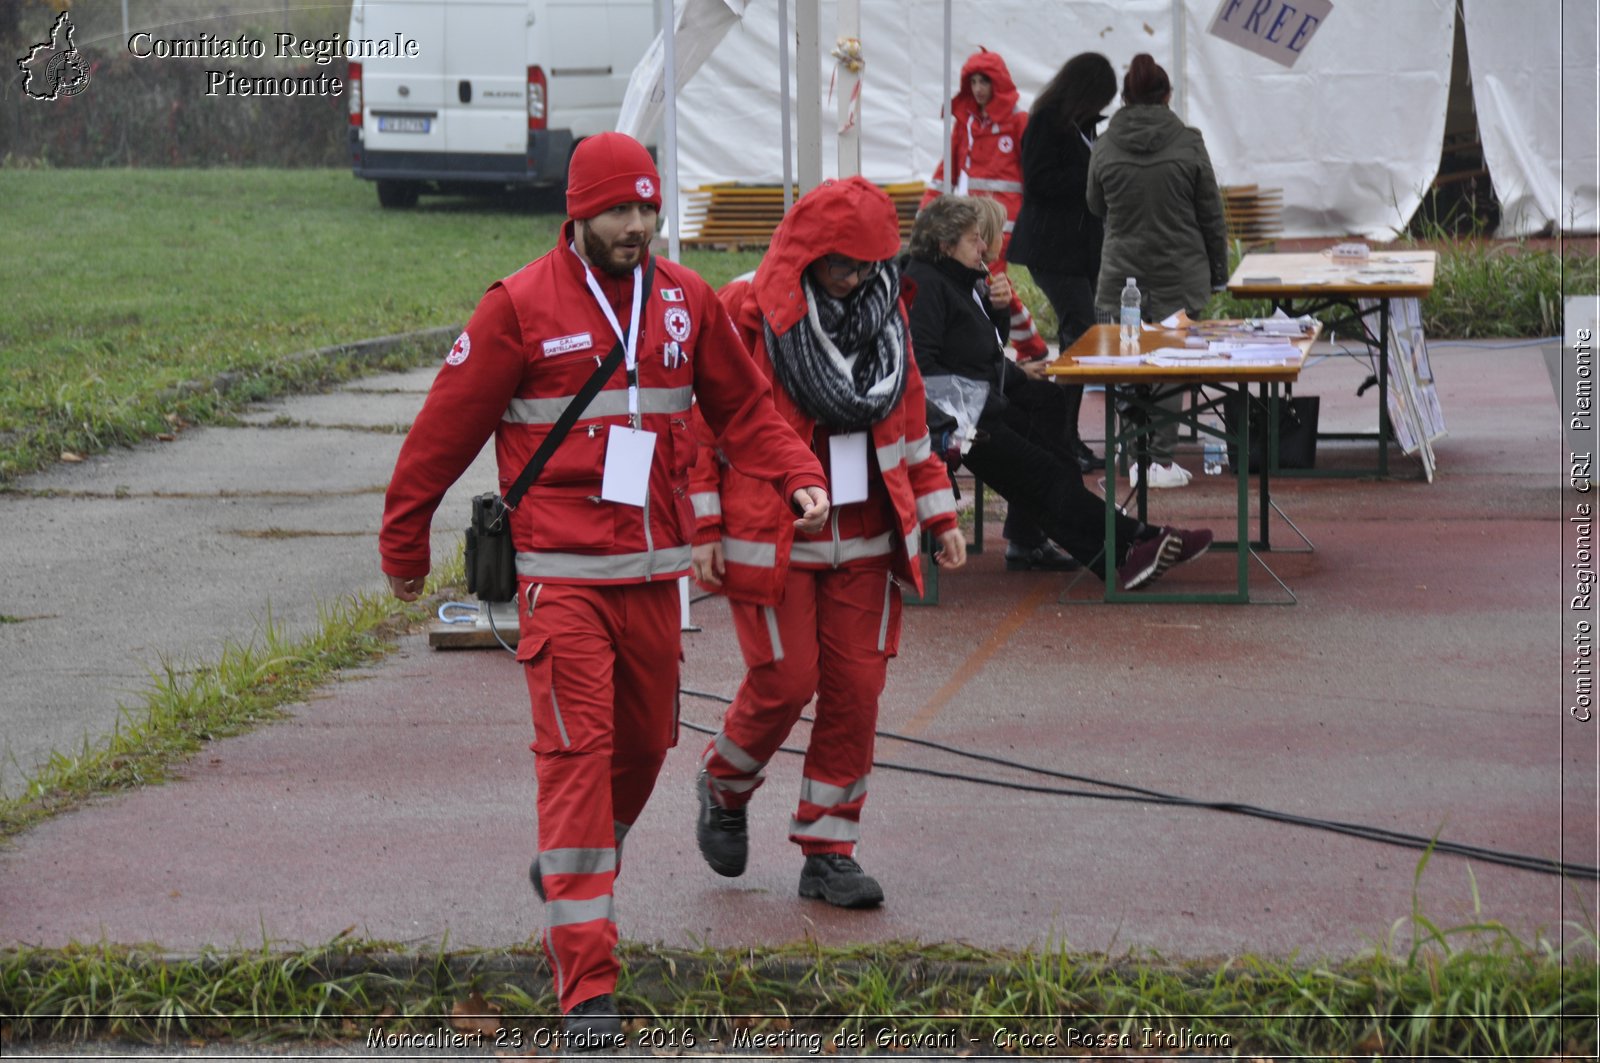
[[496, 92]]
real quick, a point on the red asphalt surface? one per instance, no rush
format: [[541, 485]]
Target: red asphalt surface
[[1419, 685]]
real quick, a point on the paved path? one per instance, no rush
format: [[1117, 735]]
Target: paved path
[[1417, 686]]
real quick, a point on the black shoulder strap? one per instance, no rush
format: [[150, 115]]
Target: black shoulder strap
[[579, 403]]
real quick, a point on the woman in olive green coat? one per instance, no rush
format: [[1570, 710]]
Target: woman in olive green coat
[[1151, 180]]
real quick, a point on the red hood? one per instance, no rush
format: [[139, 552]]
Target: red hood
[[852, 217], [991, 66]]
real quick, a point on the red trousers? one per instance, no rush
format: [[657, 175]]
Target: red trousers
[[602, 670], [832, 637]]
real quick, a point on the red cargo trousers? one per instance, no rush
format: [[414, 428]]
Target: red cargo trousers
[[602, 669], [832, 636]]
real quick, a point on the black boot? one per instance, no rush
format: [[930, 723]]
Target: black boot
[[1046, 557], [592, 1026]]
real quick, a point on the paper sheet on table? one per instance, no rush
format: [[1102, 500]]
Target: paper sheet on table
[[1272, 353], [1106, 359], [1176, 360]]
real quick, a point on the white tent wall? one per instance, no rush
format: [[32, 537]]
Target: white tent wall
[[728, 114], [1351, 134], [700, 29], [1541, 156]]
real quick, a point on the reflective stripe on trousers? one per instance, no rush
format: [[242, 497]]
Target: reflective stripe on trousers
[[836, 629]]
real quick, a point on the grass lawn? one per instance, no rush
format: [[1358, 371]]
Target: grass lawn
[[136, 281]]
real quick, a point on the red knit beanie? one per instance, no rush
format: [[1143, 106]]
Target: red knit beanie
[[607, 169]]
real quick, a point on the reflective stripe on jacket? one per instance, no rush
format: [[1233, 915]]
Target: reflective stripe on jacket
[[757, 531], [533, 341]]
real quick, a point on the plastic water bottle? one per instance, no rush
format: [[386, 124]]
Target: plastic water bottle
[[1213, 456], [1130, 314]]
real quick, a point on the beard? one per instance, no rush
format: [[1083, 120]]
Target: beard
[[616, 258]]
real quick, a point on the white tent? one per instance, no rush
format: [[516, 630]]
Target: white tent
[[1351, 135]]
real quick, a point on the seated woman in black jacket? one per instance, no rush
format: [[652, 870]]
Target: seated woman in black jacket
[[955, 331]]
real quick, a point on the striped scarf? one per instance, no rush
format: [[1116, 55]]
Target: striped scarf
[[845, 364]]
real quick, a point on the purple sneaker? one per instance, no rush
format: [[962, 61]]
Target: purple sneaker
[[1147, 560], [1194, 542]]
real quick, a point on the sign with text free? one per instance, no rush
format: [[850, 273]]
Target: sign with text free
[[1272, 28]]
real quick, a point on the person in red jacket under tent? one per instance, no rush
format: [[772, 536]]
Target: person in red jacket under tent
[[986, 155], [597, 563], [818, 613]]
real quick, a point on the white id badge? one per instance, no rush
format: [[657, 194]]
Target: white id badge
[[629, 452], [847, 480]]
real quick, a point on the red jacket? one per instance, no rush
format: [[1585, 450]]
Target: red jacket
[[532, 342], [986, 145], [909, 486]]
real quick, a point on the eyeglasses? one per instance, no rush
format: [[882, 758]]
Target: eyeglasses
[[842, 269]]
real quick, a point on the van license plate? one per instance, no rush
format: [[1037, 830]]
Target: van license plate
[[401, 124]]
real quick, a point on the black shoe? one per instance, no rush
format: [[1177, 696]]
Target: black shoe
[[592, 1026], [839, 880], [1047, 558], [723, 835], [1088, 460]]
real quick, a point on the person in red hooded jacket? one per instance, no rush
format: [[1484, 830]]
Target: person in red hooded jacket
[[597, 563], [986, 156], [818, 613]]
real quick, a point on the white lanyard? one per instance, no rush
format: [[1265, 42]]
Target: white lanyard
[[629, 341], [985, 308]]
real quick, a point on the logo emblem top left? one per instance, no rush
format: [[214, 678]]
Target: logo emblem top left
[[55, 68]]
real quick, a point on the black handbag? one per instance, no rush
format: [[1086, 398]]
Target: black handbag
[[1297, 431], [491, 559]]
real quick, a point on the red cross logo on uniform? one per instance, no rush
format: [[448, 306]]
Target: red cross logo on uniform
[[460, 350]]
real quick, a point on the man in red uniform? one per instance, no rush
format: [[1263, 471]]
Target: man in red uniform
[[819, 613], [986, 155], [605, 532]]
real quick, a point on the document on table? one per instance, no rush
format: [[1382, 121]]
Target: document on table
[[1222, 354], [1256, 352], [1107, 359]]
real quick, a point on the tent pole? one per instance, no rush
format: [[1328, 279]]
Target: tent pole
[[808, 91], [669, 172], [783, 91], [849, 84], [949, 118], [1180, 61]]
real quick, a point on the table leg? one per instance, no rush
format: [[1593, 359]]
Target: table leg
[[1383, 387]]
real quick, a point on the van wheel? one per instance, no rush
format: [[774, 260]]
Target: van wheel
[[398, 194]]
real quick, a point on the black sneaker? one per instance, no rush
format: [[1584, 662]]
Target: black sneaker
[[592, 1026], [839, 880], [723, 835], [1046, 558]]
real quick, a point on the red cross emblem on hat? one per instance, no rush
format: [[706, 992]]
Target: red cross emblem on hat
[[645, 187]]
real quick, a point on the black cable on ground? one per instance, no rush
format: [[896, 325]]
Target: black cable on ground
[[1140, 795]]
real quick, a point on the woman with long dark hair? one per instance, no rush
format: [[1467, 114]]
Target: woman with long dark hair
[[1056, 236]]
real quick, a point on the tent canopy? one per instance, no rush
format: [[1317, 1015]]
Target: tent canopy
[[1352, 134]]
